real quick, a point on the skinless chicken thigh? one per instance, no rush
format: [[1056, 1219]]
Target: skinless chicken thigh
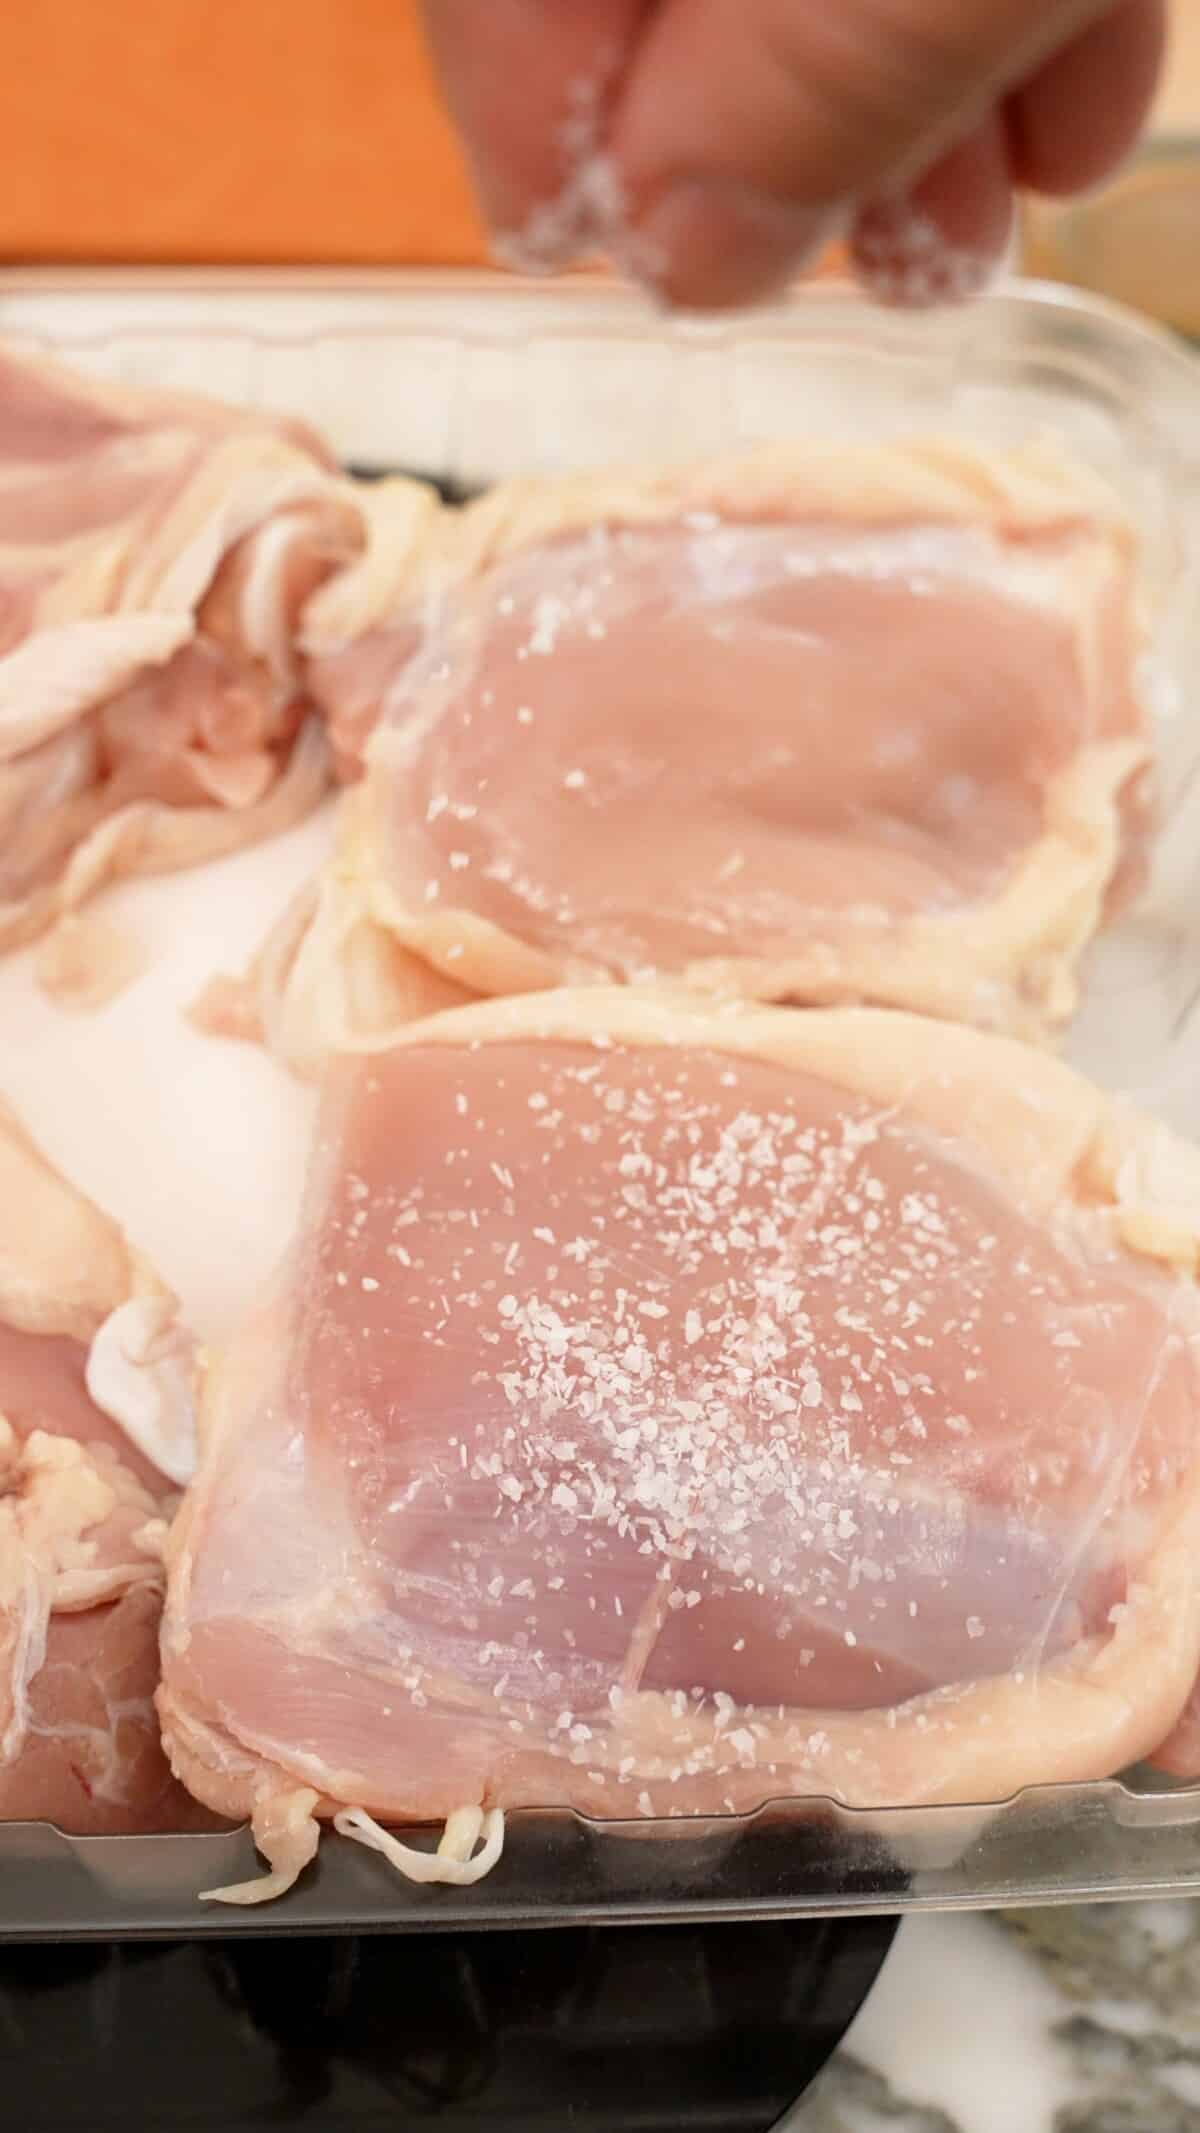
[[667, 1409], [817, 725]]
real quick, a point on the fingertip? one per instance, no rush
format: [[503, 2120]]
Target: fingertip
[[712, 244], [529, 84], [901, 258], [1083, 111], [943, 240]]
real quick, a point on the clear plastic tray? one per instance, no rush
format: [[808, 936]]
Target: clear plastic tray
[[468, 378]]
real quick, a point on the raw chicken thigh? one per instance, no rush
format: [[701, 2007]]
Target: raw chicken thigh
[[667, 1409], [822, 725], [82, 1514], [155, 555]]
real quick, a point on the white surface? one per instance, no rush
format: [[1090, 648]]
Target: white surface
[[195, 1145]]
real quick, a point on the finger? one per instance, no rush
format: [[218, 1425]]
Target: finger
[[1080, 114], [942, 241], [820, 103], [1084, 109], [797, 110], [713, 245], [529, 83]]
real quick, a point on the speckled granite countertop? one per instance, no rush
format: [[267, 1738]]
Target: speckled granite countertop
[[1048, 2021]]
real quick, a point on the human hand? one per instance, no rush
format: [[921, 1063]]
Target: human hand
[[712, 146]]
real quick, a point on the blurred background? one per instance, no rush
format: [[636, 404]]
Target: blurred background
[[1139, 239], [309, 130]]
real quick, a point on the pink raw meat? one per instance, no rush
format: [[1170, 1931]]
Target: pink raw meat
[[755, 1404], [156, 551], [819, 724], [82, 1526], [668, 745], [81, 1516]]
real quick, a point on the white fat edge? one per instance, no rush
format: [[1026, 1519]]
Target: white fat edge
[[451, 1862], [285, 1830], [63, 671], [739, 556], [139, 1373], [29, 1652], [151, 1539], [77, 1590], [263, 617], [249, 501], [299, 977], [1157, 1173], [262, 1890]]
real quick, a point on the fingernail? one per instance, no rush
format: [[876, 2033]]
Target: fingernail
[[714, 243], [586, 214], [580, 219], [901, 257]]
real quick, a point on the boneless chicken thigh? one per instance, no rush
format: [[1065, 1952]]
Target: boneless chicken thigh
[[665, 1409], [156, 552], [821, 724], [82, 1512]]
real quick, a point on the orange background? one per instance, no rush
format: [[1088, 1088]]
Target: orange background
[[252, 130], [274, 130]]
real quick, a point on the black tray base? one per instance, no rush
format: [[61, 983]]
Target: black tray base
[[662, 2029]]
